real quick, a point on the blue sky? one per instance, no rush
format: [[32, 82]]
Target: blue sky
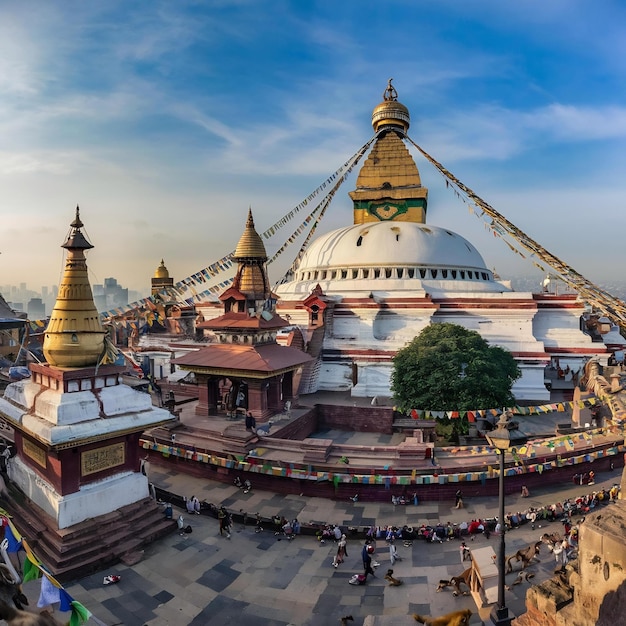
[[165, 121]]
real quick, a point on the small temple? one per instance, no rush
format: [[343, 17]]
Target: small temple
[[246, 370]]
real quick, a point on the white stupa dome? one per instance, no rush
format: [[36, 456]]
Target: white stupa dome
[[388, 257]]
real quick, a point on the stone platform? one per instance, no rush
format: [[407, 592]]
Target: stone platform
[[89, 545]]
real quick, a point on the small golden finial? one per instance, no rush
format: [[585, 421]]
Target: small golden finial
[[390, 94]]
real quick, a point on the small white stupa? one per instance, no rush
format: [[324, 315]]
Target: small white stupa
[[77, 428]]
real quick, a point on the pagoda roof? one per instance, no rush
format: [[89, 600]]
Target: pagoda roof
[[243, 321], [244, 360], [232, 292]]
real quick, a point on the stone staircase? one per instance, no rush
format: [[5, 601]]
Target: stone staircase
[[86, 547], [311, 370]]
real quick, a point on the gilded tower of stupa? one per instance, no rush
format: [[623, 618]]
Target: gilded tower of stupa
[[251, 277], [75, 336], [389, 186], [161, 279]]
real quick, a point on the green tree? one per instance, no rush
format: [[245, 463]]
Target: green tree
[[449, 368]]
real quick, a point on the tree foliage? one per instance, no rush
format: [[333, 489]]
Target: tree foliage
[[449, 368]]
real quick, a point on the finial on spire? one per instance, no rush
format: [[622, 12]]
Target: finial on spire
[[250, 220], [77, 223], [390, 94]]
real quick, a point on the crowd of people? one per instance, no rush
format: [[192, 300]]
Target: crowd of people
[[563, 545]]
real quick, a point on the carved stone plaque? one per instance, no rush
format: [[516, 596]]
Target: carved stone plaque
[[35, 452], [100, 459]]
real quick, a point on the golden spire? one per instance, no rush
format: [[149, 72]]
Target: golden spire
[[390, 113], [389, 186], [75, 336], [162, 271], [250, 245], [251, 277]]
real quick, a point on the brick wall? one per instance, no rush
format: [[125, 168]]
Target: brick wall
[[356, 418]]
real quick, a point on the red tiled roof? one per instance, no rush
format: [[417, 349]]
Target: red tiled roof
[[264, 358], [242, 321], [231, 292]]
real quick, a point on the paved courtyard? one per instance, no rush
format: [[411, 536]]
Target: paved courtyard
[[263, 580]]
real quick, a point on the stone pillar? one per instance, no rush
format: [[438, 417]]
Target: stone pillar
[[274, 401], [213, 395], [202, 408], [257, 398]]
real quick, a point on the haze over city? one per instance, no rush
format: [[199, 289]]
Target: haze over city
[[166, 121]]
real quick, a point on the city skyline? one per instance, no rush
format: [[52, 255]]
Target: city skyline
[[166, 122]]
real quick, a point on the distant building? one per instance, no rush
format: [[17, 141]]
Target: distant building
[[161, 280], [110, 295], [36, 309]]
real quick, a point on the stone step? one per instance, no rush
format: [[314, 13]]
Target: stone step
[[93, 543]]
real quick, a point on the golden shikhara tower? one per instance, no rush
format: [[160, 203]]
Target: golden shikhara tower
[[161, 279], [389, 186], [251, 278], [75, 336]]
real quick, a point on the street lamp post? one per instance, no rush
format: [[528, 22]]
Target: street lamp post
[[500, 438]]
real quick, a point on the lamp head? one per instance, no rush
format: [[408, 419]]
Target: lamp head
[[500, 437]]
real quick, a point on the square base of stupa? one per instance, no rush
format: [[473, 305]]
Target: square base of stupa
[[92, 500], [92, 544]]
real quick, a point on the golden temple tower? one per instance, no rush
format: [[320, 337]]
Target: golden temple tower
[[251, 277], [75, 336], [161, 279], [389, 186]]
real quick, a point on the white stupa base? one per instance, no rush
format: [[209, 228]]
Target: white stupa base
[[92, 500]]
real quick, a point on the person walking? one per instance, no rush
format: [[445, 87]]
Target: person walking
[[224, 520], [465, 552], [342, 551], [458, 500], [368, 564], [393, 553]]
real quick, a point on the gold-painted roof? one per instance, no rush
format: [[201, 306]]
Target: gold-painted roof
[[389, 172], [161, 271], [74, 336], [390, 112], [250, 245]]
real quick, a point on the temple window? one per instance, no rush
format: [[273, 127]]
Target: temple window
[[411, 272], [355, 273], [423, 273], [376, 273], [444, 273], [344, 273], [400, 272], [433, 273], [314, 314], [388, 272], [462, 275], [366, 273], [453, 273]]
